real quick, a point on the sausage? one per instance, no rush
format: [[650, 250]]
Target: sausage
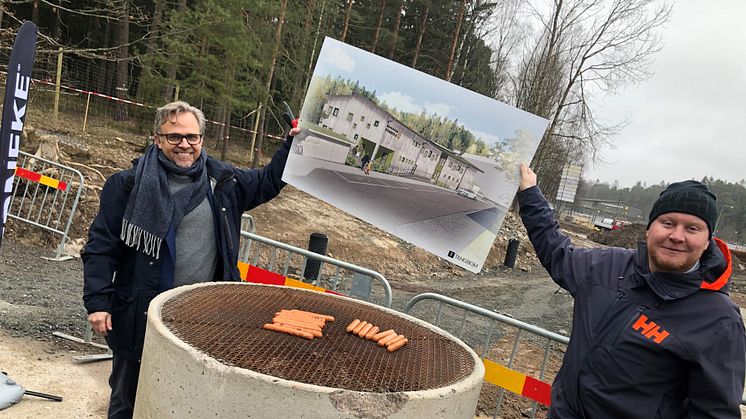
[[365, 330], [386, 339], [315, 332], [299, 317], [307, 319], [306, 314], [288, 330], [394, 340], [324, 317], [379, 336], [372, 332], [397, 345], [359, 327], [294, 323], [299, 322], [353, 325]]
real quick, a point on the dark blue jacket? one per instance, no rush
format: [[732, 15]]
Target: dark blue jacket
[[643, 345], [122, 281]]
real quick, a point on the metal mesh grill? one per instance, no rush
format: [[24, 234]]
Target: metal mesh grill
[[225, 322]]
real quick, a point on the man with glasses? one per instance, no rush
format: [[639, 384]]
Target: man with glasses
[[172, 219]]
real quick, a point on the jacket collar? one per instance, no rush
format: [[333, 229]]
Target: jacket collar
[[217, 168], [713, 273]]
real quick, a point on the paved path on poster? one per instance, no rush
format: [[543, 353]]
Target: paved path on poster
[[435, 218]]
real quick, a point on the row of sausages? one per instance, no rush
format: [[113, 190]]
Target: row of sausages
[[301, 323], [388, 338]]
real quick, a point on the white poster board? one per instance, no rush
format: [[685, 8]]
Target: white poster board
[[386, 144]]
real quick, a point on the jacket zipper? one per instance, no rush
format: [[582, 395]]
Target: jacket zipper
[[228, 235], [606, 315], [596, 343], [226, 231]]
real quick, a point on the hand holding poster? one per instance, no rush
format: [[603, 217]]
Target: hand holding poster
[[430, 162], [17, 86]]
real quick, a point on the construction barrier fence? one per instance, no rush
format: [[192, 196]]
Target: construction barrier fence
[[519, 357], [83, 89], [45, 194], [268, 261], [535, 354]]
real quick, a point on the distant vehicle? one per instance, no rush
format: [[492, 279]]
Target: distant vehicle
[[467, 194], [603, 223], [606, 223], [619, 224]]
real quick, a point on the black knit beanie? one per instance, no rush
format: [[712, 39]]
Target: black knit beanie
[[689, 197]]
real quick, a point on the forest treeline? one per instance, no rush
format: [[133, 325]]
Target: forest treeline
[[240, 59], [731, 201]]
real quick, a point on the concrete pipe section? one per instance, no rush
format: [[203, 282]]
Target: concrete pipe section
[[208, 355]]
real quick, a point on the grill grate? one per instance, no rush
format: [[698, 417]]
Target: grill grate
[[225, 322]]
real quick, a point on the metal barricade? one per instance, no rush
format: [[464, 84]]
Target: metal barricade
[[88, 340], [247, 223], [46, 195], [493, 334], [335, 275], [549, 342]]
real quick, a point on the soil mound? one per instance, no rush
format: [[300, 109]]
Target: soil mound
[[626, 237]]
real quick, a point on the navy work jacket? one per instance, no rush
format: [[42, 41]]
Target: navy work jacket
[[643, 345], [122, 281]]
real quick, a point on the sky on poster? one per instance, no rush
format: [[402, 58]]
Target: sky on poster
[[412, 91]]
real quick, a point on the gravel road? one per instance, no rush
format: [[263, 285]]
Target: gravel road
[[39, 297]]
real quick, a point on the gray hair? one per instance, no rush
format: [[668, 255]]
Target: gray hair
[[167, 112]]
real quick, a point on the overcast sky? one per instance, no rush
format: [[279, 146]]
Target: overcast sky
[[689, 119]]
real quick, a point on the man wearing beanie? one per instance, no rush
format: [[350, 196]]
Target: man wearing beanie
[[655, 334]]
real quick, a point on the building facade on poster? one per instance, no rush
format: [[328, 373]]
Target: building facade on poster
[[394, 147]]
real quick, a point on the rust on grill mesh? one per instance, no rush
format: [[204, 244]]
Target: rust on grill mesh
[[225, 322]]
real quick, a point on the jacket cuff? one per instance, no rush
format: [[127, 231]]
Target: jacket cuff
[[98, 303], [528, 194]]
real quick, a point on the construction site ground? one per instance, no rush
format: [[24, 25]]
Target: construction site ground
[[39, 296]]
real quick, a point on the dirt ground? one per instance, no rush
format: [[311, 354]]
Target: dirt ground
[[39, 297]]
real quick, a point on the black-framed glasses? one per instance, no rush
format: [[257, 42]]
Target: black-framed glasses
[[175, 139]]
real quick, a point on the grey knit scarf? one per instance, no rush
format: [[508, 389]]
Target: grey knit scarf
[[151, 208]]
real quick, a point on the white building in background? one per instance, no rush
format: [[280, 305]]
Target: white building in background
[[392, 146]]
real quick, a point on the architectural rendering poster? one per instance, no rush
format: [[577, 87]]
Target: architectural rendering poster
[[430, 162]]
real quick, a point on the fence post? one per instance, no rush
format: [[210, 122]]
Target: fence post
[[57, 85], [317, 243], [85, 117], [511, 252], [256, 129]]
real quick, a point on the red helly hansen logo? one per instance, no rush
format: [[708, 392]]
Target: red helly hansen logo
[[649, 329]]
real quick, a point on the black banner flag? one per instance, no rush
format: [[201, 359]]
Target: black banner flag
[[17, 87]]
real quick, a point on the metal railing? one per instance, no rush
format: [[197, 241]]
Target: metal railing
[[46, 195], [480, 331], [538, 335], [88, 340], [334, 274]]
